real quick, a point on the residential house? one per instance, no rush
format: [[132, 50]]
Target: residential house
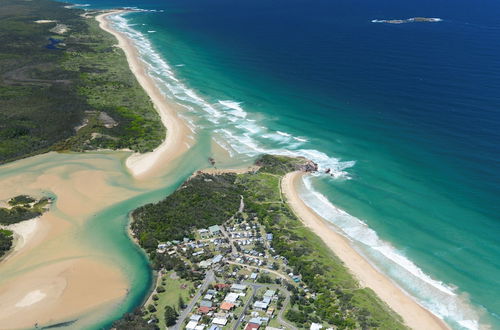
[[191, 325], [221, 321], [238, 287], [214, 230]]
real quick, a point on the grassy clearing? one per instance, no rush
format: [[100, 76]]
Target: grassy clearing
[[175, 288]]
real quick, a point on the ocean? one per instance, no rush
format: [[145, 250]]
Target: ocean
[[405, 116]]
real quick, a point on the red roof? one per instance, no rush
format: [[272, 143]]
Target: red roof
[[204, 310], [220, 286], [251, 326], [226, 306]]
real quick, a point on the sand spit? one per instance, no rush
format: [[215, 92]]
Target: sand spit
[[177, 140], [414, 315]]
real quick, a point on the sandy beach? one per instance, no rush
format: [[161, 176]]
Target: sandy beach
[[176, 142], [414, 315]]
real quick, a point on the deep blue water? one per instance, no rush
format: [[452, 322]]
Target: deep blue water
[[407, 115]]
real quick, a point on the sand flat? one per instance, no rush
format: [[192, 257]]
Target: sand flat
[[55, 275]]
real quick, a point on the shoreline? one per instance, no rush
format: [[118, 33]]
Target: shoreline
[[176, 140], [23, 232], [414, 315]]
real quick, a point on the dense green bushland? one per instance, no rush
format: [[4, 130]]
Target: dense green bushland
[[46, 93], [5, 241], [207, 199], [202, 201]]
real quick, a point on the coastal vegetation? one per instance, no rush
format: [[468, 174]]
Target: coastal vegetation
[[65, 86], [5, 241], [22, 208], [207, 199]]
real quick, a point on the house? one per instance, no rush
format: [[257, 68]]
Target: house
[[205, 263], [227, 306], [222, 321], [214, 230], [269, 237], [208, 296], [232, 297], [191, 325], [255, 320], [238, 287], [270, 293], [205, 310], [215, 327], [253, 276], [200, 327], [206, 303], [217, 259], [195, 317], [261, 305], [221, 286], [252, 326], [315, 326], [204, 233], [270, 311]]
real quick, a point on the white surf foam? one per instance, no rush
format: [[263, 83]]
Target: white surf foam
[[435, 295]]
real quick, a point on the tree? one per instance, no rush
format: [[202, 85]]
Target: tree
[[181, 303], [170, 316]]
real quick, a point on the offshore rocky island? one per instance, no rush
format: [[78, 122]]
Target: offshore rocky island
[[408, 20]]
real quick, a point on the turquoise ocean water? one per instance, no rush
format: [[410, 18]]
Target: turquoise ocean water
[[407, 117]]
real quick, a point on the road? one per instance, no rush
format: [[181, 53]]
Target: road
[[208, 279]]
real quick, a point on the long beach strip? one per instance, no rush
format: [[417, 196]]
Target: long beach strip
[[414, 315], [176, 141]]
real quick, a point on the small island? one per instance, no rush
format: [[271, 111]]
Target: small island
[[19, 208], [408, 20]]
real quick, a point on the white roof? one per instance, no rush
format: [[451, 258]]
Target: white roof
[[270, 293], [191, 325], [316, 326], [256, 320], [195, 317], [232, 297], [219, 321], [200, 327], [238, 287], [260, 304]]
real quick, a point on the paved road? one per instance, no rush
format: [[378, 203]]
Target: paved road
[[255, 287], [208, 279]]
